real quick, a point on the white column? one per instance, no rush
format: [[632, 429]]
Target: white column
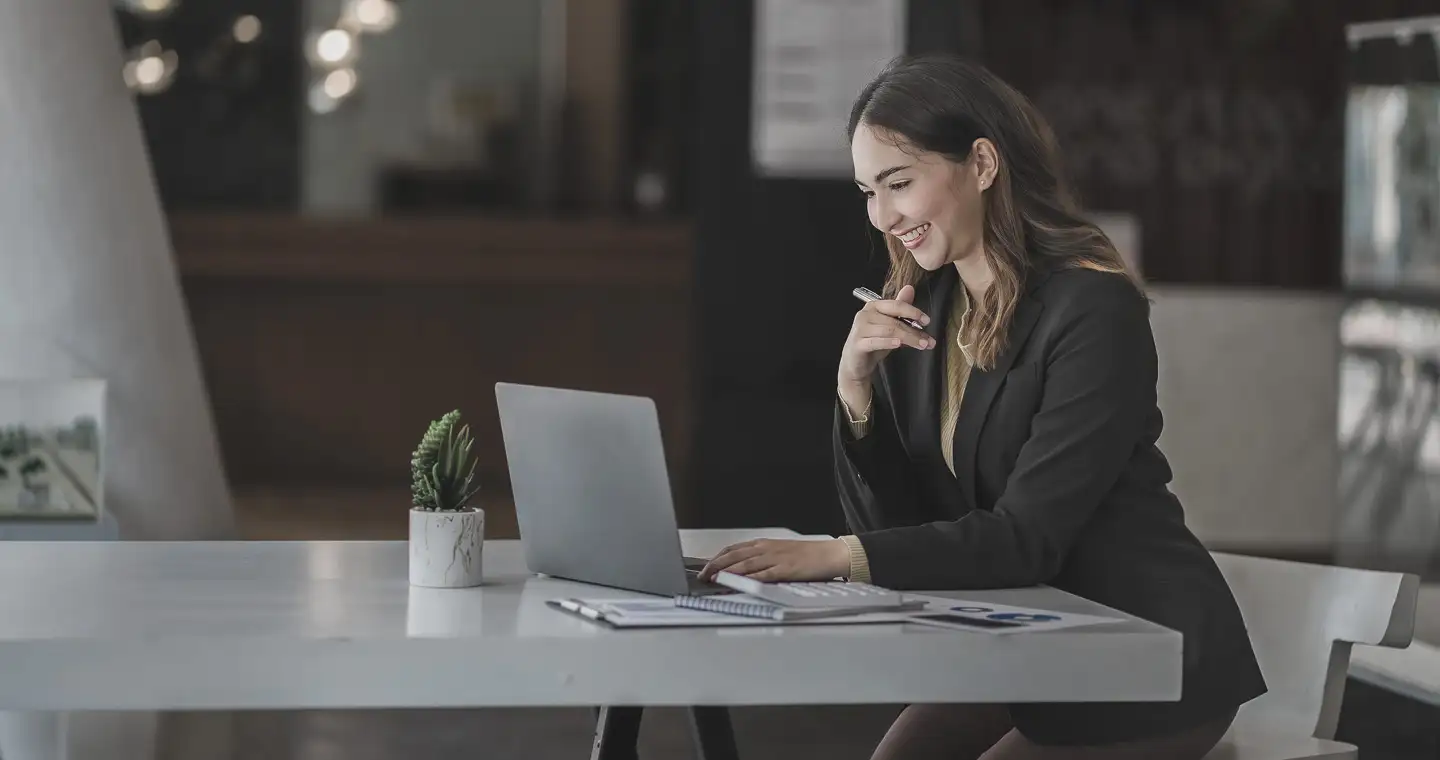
[[88, 288]]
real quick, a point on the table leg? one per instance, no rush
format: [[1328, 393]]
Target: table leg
[[714, 735], [32, 736], [617, 731]]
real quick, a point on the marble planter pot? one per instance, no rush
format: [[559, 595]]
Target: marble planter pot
[[445, 548]]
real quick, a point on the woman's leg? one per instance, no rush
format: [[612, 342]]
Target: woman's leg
[[943, 732], [1191, 744]]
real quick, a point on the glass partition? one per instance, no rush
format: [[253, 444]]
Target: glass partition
[[1389, 482]]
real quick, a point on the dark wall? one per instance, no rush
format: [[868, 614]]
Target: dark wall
[[775, 263], [1220, 124], [226, 134]]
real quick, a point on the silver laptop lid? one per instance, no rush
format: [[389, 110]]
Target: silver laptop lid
[[592, 494]]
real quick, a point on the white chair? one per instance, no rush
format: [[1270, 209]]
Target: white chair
[[1303, 620], [1412, 672]]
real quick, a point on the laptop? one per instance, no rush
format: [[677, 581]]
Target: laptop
[[592, 492]]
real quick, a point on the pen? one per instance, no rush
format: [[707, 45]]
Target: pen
[[867, 295], [579, 609]]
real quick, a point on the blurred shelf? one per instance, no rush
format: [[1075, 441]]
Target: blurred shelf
[[439, 250], [347, 513]]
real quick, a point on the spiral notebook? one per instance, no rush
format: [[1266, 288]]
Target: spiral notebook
[[664, 612], [744, 605]]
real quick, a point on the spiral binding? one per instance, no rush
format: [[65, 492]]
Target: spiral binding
[[730, 606]]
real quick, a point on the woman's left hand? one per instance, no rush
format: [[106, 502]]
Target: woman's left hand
[[773, 559]]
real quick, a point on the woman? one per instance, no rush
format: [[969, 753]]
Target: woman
[[1010, 442]]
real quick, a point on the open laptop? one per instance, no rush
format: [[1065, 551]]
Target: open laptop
[[592, 493]]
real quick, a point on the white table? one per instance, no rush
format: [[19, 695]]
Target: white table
[[276, 625]]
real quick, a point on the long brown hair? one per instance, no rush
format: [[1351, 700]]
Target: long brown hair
[[943, 104]]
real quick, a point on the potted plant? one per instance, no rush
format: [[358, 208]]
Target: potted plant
[[446, 534]]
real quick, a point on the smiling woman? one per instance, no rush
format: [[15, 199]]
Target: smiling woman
[[932, 168], [1010, 440]]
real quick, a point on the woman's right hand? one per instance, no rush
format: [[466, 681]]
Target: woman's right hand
[[876, 331]]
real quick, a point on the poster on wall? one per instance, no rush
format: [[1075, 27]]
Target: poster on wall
[[1392, 187], [812, 57], [50, 449]]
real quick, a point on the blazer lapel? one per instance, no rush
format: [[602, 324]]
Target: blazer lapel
[[980, 394]]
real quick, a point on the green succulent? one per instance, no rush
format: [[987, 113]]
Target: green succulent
[[442, 470]]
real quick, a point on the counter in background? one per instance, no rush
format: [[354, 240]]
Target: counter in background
[[328, 345]]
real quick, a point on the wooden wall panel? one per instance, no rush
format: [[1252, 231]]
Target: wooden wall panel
[[319, 379]]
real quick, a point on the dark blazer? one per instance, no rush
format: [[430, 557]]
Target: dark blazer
[[1057, 481]]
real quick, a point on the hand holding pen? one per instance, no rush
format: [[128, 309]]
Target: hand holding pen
[[881, 326], [869, 296]]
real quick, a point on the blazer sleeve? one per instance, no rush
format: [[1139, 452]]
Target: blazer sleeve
[[872, 473], [1099, 388]]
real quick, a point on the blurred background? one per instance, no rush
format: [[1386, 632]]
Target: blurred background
[[379, 208]]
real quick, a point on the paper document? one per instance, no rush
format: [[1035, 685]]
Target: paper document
[[1020, 619], [648, 612]]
